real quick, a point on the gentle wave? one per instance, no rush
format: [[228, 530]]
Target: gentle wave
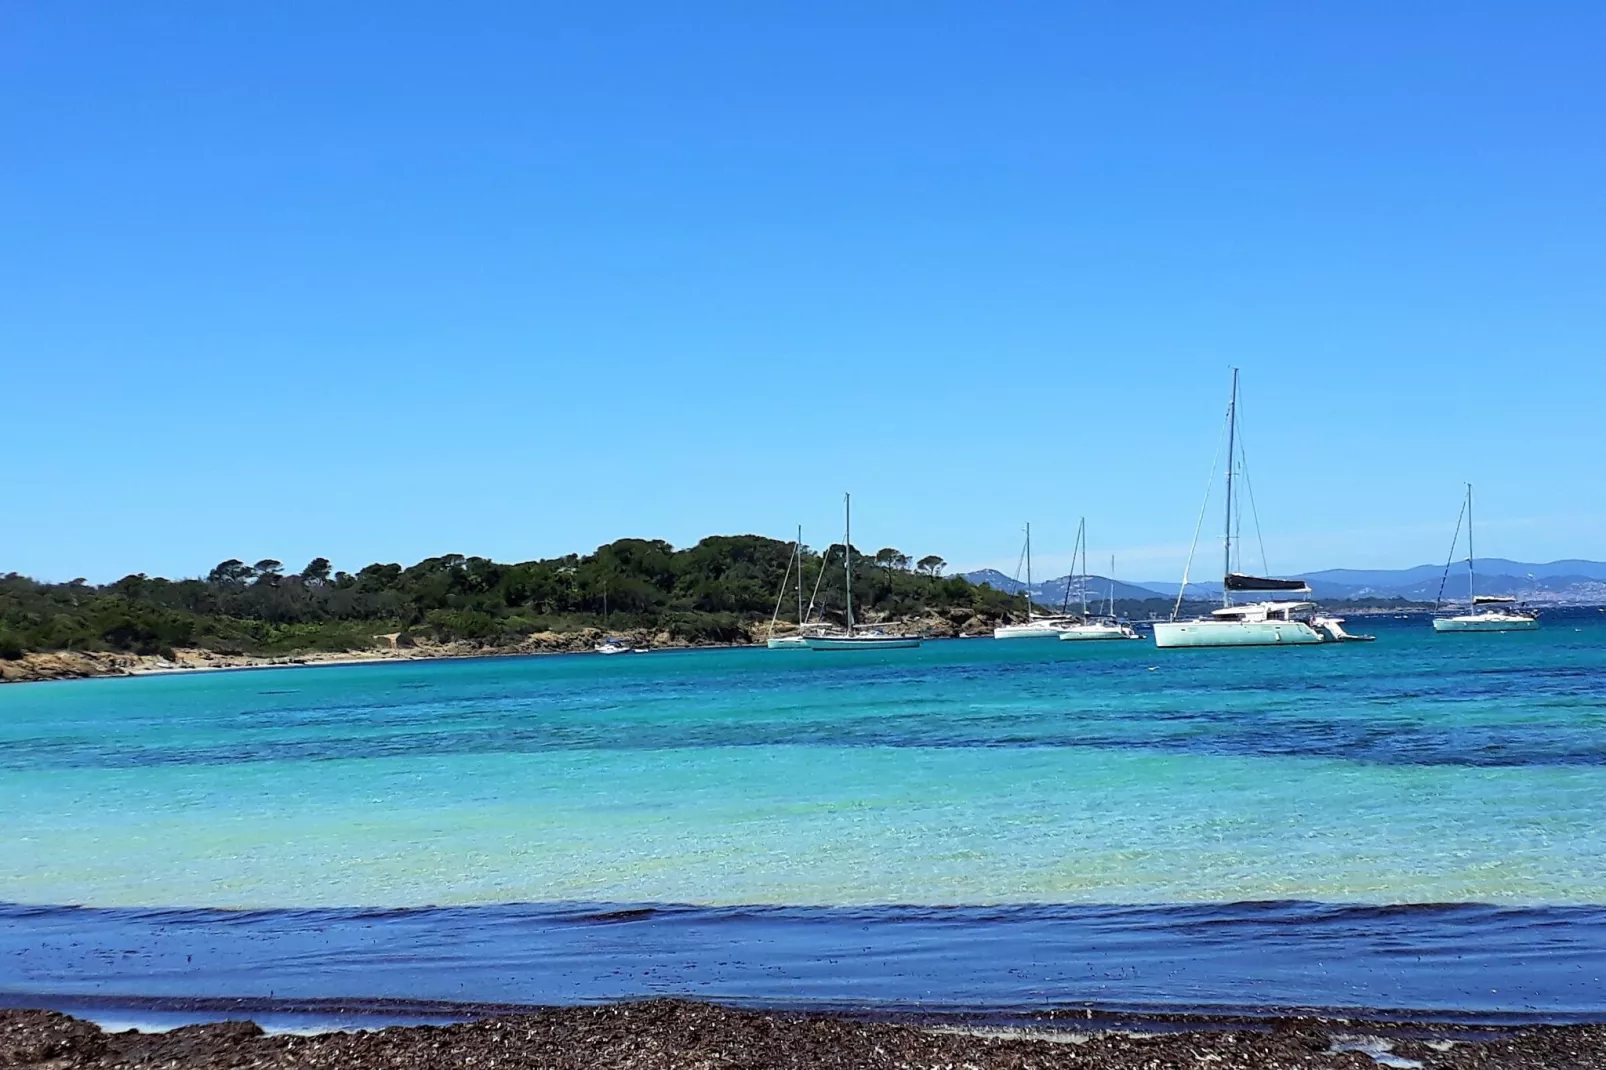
[[1468, 963]]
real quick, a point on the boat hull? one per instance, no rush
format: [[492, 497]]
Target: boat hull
[[1202, 633], [1035, 630], [1485, 622], [788, 642], [1077, 632], [861, 642]]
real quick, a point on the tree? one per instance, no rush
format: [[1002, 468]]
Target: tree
[[931, 565], [231, 571], [317, 571]]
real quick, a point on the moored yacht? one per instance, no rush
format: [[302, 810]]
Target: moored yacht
[[1255, 624], [798, 640], [854, 637], [1270, 623], [1475, 620], [1034, 626], [1108, 626]]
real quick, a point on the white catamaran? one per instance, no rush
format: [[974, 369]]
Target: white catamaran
[[1272, 623], [1474, 620], [853, 637], [1034, 627]]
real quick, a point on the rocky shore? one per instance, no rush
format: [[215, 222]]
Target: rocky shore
[[77, 664], [678, 1035]]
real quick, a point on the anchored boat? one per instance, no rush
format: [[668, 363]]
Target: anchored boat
[[853, 637], [1487, 620], [1270, 623], [1034, 627], [1106, 627], [799, 639]]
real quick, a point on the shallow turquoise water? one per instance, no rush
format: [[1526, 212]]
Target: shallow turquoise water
[[1419, 768]]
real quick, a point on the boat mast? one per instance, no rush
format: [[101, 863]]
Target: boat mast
[[799, 552], [1028, 572], [847, 552], [1081, 538], [1472, 600], [1112, 586], [1226, 542]]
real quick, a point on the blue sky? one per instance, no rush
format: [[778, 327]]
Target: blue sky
[[382, 281]]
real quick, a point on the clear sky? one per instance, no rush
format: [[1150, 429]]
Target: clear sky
[[379, 281]]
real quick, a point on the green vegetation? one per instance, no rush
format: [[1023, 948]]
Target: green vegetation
[[711, 592]]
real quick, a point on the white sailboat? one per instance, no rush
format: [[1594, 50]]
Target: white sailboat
[[1271, 623], [1474, 620], [1105, 627], [796, 640], [853, 637], [612, 644], [1034, 627]]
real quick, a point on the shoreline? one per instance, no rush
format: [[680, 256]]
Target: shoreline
[[56, 665], [43, 666], [671, 1034]]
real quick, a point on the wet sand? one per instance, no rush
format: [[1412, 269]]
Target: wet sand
[[679, 1035]]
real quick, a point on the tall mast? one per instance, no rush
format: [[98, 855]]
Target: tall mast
[[1081, 538], [847, 552], [1112, 586], [799, 552], [1226, 542], [1472, 601], [1028, 572]]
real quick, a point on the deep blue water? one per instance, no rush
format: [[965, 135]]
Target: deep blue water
[[972, 827]]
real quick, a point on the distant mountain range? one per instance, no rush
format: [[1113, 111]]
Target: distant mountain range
[[1052, 592], [1571, 582]]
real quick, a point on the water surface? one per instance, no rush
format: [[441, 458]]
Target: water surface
[[1079, 780]]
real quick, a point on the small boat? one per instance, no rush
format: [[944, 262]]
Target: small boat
[[799, 639], [612, 644], [1271, 623], [860, 640], [1033, 627], [1488, 620], [1099, 629], [852, 637], [1105, 627]]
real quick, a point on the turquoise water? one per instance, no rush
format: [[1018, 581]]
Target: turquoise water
[[1417, 769]]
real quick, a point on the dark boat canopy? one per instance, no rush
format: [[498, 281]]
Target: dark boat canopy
[[1486, 599], [1237, 581]]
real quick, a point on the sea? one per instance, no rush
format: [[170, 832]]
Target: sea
[[1413, 828]]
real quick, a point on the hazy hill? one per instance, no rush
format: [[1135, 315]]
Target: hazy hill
[[1569, 581], [1052, 592]]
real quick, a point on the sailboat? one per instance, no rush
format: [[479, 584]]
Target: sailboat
[[1488, 620], [1107, 626], [1034, 627], [795, 641], [1271, 623], [612, 644], [852, 637]]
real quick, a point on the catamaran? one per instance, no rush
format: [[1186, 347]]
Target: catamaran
[[853, 637], [1271, 623], [1034, 627], [1488, 620], [797, 640], [1108, 626]]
